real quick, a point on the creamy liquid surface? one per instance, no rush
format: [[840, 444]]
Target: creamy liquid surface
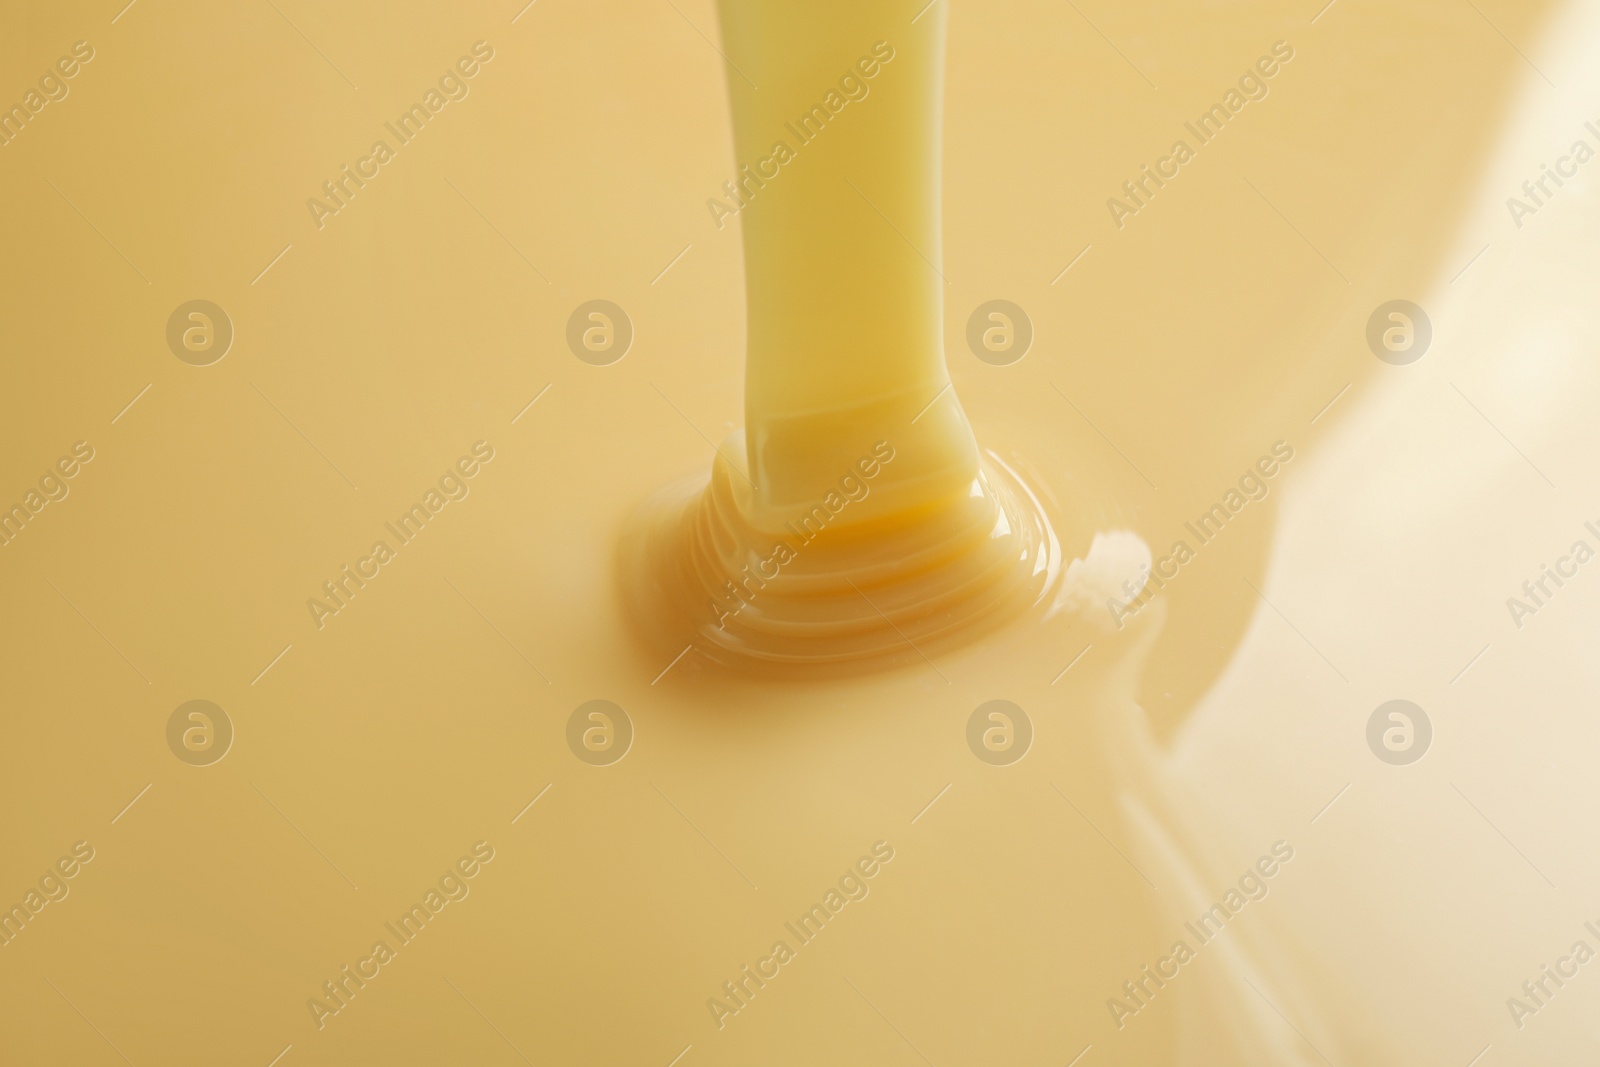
[[1168, 756]]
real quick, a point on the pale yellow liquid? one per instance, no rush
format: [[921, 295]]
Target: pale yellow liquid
[[417, 722], [844, 293], [851, 519]]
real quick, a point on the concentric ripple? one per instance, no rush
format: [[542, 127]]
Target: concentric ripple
[[697, 573]]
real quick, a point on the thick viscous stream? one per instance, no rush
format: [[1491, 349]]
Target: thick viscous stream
[[855, 518]]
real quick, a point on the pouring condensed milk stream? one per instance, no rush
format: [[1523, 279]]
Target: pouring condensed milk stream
[[854, 518]]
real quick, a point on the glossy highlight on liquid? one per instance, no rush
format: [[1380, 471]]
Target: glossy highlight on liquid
[[855, 518]]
